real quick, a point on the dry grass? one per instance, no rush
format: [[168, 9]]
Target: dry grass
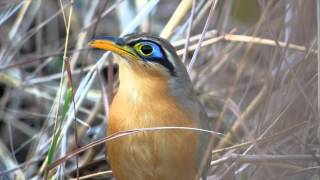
[[254, 67]]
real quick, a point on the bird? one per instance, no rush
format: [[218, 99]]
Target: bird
[[155, 90]]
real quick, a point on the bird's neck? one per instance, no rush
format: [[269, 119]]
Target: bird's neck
[[137, 86]]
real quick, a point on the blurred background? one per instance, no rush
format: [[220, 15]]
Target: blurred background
[[253, 64]]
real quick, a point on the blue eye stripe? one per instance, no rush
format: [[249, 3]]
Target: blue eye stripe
[[156, 56], [156, 51]]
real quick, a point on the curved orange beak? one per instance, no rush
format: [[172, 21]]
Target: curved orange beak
[[115, 45]]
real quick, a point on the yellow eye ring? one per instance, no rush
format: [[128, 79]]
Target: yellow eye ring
[[144, 49]]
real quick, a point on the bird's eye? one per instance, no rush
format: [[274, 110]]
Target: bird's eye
[[144, 49]]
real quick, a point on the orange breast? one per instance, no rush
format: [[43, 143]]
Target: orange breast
[[156, 155]]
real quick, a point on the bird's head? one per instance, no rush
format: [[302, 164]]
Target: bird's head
[[145, 57]]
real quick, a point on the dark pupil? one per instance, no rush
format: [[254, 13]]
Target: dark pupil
[[146, 49]]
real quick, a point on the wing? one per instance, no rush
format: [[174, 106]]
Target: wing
[[205, 146]]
